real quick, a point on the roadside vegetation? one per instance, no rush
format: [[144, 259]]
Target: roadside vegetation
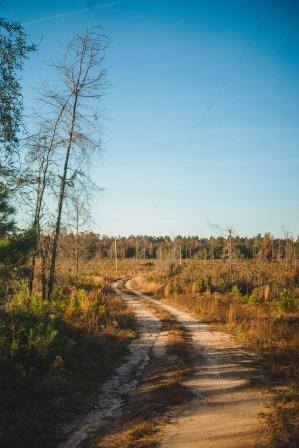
[[260, 307], [54, 355]]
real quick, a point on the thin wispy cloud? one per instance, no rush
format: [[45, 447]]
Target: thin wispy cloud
[[71, 13]]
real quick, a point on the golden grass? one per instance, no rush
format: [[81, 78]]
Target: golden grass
[[259, 326]]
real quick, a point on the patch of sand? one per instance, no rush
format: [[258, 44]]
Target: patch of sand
[[114, 391]]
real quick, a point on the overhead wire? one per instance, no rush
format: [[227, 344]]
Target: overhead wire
[[210, 105]]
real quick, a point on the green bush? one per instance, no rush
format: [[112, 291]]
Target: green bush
[[51, 355], [200, 285], [287, 303], [254, 297], [174, 269], [235, 293], [209, 283]]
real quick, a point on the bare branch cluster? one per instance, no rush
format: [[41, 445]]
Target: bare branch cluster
[[57, 177]]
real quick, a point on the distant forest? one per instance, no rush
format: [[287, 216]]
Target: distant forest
[[89, 245]]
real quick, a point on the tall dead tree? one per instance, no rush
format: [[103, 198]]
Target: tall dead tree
[[83, 79], [40, 154], [228, 232], [36, 178], [39, 158]]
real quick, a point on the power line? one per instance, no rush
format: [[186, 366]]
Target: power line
[[214, 99]]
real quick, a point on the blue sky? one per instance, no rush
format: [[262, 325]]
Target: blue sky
[[200, 120]]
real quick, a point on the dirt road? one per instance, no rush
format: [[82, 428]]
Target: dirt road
[[226, 386], [228, 390]]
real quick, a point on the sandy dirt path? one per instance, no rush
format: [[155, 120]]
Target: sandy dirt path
[[228, 389], [114, 391]]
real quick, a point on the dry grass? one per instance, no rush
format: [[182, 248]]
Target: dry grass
[[203, 288], [54, 357], [257, 324], [105, 268], [283, 417], [146, 286]]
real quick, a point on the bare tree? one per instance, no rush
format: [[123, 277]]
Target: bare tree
[[212, 242], [228, 232], [83, 79], [39, 160], [80, 203]]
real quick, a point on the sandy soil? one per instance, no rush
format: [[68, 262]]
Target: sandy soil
[[228, 389], [114, 391]]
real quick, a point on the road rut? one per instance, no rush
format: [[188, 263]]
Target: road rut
[[113, 392]]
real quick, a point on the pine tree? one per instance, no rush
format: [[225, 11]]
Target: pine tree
[[15, 247], [14, 50]]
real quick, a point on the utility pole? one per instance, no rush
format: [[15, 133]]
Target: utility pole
[[230, 254], [115, 254]]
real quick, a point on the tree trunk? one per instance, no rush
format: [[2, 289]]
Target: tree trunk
[[51, 280], [77, 239]]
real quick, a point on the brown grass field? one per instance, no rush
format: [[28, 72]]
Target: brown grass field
[[259, 307], [79, 338]]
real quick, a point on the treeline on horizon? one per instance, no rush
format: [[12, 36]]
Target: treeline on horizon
[[89, 245]]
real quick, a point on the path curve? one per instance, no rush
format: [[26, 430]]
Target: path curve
[[228, 388]]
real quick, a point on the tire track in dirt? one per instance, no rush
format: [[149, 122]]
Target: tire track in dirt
[[146, 408], [228, 387], [113, 392]]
